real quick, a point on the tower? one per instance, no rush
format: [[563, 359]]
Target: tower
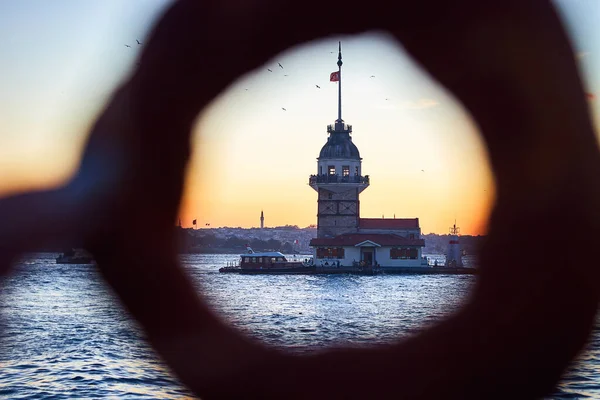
[[338, 181], [454, 253], [262, 220]]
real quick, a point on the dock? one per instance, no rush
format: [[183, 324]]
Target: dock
[[396, 270], [361, 271]]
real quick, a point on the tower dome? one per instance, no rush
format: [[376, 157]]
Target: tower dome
[[340, 145]]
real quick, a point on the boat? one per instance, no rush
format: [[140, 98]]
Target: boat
[[75, 256], [271, 262]]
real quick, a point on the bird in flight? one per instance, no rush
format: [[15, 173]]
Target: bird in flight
[[318, 87], [387, 99], [127, 45], [280, 65], [283, 109], [422, 170], [138, 42], [372, 76], [246, 89], [268, 69]]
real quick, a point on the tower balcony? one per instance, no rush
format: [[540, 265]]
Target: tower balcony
[[336, 183], [339, 127], [337, 179]]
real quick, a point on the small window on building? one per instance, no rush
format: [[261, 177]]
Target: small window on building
[[413, 253], [260, 260], [356, 171], [345, 170], [398, 253], [330, 252], [253, 259], [320, 252], [404, 253], [330, 196], [246, 259], [331, 169]]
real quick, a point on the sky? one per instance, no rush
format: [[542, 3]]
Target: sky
[[62, 59]]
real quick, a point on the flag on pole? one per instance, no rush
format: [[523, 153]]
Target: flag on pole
[[334, 76], [194, 222]]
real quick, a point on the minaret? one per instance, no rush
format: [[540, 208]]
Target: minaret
[[454, 253], [262, 220], [338, 181]]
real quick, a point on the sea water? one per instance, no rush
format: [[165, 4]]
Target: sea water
[[64, 335]]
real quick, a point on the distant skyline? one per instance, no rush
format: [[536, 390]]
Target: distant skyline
[[62, 59]]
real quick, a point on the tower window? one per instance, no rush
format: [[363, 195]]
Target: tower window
[[346, 170], [331, 169], [356, 171]]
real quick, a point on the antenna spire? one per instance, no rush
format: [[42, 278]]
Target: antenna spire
[[339, 63]]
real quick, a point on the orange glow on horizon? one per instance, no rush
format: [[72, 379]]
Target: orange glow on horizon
[[421, 149]]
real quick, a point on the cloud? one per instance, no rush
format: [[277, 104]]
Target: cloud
[[582, 54]]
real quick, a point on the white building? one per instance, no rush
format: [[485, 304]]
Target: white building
[[343, 238], [454, 252], [372, 249]]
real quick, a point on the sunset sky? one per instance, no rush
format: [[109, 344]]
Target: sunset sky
[[61, 59]]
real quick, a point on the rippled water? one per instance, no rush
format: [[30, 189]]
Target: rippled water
[[64, 336]]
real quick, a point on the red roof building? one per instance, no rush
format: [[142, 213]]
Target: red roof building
[[356, 239], [388, 223]]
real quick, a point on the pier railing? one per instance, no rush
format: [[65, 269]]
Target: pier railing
[[338, 179]]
